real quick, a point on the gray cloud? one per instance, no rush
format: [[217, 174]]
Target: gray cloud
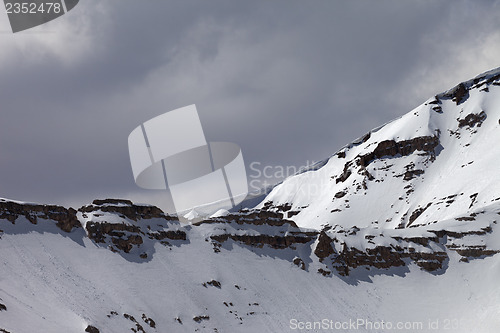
[[289, 81]]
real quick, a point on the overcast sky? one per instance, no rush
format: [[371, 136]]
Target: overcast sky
[[289, 81]]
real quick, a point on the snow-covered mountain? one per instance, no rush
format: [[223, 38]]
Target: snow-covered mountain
[[397, 231], [437, 162]]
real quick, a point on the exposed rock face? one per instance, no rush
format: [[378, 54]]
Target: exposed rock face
[[299, 262], [170, 234], [91, 329], [385, 257], [459, 94], [324, 246], [126, 209], [65, 218], [386, 148], [258, 228], [135, 229], [253, 217], [430, 251], [97, 231], [276, 242], [390, 148], [137, 223], [472, 120]]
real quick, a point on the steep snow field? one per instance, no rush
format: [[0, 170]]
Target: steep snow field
[[441, 157], [398, 232], [50, 283]]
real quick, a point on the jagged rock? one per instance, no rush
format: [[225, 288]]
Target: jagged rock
[[416, 213], [390, 148], [460, 94], [97, 231], [126, 236], [65, 218], [213, 283], [324, 272], [404, 148], [299, 262], [170, 234], [324, 246], [127, 209], [276, 242], [474, 251], [148, 321], [127, 244], [91, 329], [253, 217], [199, 319], [471, 120]]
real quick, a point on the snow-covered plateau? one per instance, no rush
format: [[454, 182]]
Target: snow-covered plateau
[[395, 232]]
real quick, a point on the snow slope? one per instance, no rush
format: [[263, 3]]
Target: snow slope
[[50, 282], [441, 157], [396, 232]]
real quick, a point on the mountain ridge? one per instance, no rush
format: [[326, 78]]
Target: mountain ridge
[[407, 147], [399, 214]]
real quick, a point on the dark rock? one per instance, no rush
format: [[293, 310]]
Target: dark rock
[[410, 174], [340, 194], [65, 218], [345, 174], [97, 231], [255, 217], [474, 251], [129, 317], [199, 319], [126, 244], [299, 262], [148, 321], [127, 209], [473, 119], [416, 213], [276, 242], [213, 283], [389, 148], [91, 329], [458, 94], [170, 234], [324, 247]]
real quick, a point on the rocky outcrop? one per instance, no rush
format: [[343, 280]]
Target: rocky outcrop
[[139, 223], [126, 209], [426, 144], [275, 242], [65, 218], [170, 234], [136, 229], [472, 120], [429, 251], [121, 235], [324, 247], [253, 217], [91, 329], [379, 256], [390, 148], [459, 94]]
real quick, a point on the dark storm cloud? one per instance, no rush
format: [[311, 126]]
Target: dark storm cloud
[[289, 81]]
